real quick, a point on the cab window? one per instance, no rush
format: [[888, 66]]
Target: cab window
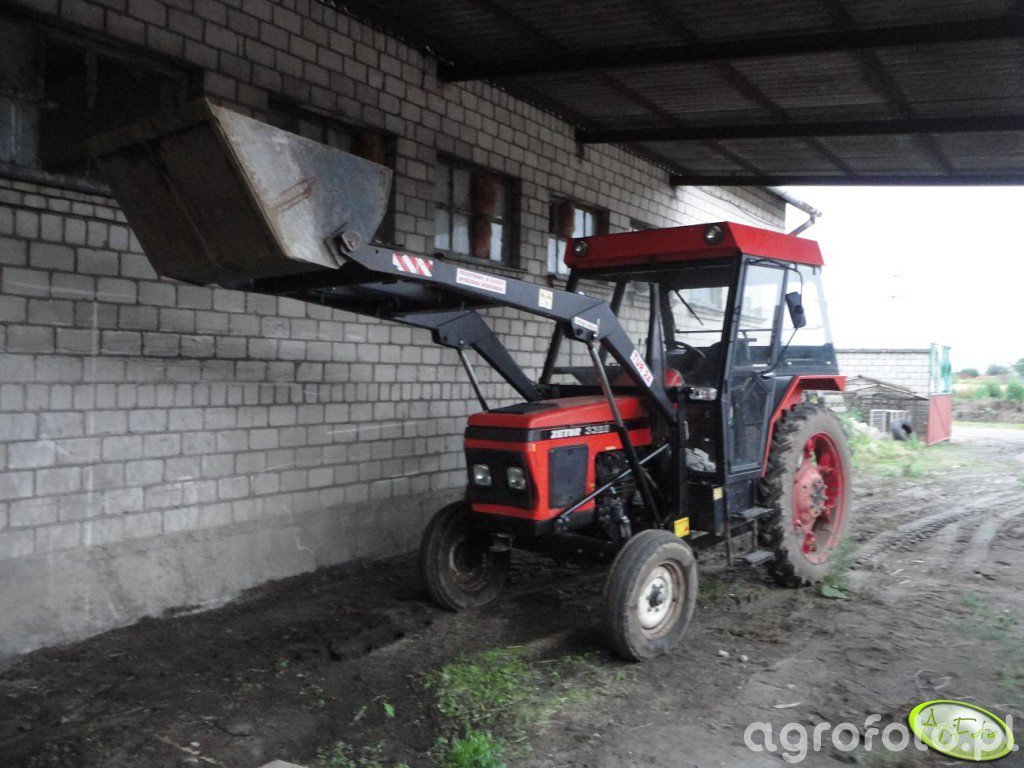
[[759, 306]]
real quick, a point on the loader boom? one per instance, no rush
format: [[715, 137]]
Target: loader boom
[[207, 185]]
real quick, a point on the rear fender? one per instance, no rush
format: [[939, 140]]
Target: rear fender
[[793, 395]]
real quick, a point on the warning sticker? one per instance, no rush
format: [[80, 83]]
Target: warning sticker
[[681, 527], [545, 299], [592, 327], [481, 281], [641, 367]]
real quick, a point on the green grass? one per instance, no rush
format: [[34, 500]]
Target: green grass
[[492, 701], [476, 749], [892, 458], [987, 424], [343, 755], [837, 582], [986, 623]]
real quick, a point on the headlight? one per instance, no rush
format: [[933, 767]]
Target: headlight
[[481, 474], [713, 235], [516, 479], [703, 393]]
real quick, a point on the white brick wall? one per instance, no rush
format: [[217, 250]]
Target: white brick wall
[[134, 408], [907, 368]]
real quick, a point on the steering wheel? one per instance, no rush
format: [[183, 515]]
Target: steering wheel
[[696, 357]]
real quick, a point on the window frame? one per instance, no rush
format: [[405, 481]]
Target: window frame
[[509, 221], [601, 218], [186, 84]]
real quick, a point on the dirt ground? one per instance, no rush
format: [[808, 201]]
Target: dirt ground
[[342, 655]]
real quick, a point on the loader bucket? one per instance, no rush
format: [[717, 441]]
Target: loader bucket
[[217, 197]]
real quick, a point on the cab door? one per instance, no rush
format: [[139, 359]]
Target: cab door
[[754, 341]]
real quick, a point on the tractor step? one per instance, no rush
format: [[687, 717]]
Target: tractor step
[[751, 513], [758, 557]]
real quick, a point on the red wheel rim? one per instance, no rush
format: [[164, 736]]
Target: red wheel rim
[[819, 498]]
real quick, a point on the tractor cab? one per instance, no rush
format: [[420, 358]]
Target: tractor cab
[[738, 317]]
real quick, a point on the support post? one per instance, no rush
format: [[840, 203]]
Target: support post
[[472, 378]]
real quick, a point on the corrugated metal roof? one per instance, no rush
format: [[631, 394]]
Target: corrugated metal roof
[[747, 91]]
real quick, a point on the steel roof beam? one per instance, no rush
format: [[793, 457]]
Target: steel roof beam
[[826, 41], [797, 130]]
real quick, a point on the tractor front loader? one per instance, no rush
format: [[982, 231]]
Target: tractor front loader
[[642, 458]]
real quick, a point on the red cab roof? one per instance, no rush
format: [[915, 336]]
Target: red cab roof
[[690, 243]]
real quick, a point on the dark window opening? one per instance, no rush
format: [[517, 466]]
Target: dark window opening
[[62, 89], [473, 214], [570, 220]]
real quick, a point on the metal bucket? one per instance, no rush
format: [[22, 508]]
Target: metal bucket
[[217, 197]]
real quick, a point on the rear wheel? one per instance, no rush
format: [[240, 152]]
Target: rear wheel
[[650, 595], [457, 562], [806, 486]]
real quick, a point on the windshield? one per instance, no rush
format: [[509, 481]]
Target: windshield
[[698, 300]]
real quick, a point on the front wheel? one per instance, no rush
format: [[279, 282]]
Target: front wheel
[[806, 486], [457, 560], [650, 595]]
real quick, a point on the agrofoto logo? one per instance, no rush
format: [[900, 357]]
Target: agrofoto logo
[[953, 728]]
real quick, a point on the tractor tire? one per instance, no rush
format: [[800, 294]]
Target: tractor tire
[[650, 595], [457, 563], [807, 487]]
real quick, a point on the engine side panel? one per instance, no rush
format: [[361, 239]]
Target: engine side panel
[[557, 441]]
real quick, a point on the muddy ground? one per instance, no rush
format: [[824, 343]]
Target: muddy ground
[[341, 655]]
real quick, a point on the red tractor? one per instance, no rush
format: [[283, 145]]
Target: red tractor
[[641, 458]]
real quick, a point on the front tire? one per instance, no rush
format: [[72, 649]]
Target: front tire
[[457, 562], [650, 595], [806, 486]]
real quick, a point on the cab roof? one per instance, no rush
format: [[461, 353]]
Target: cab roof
[[690, 243]]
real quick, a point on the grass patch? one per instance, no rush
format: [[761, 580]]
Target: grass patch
[[837, 583], [476, 749], [892, 458], [343, 755], [492, 700], [987, 424], [986, 623]]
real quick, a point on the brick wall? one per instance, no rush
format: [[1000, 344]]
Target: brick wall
[[166, 444], [907, 368]]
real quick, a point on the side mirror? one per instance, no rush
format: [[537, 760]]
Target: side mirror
[[796, 309]]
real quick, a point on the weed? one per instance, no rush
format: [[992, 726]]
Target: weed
[[476, 749], [991, 389], [343, 755], [892, 458], [485, 688], [711, 589], [495, 698], [836, 583], [985, 623]]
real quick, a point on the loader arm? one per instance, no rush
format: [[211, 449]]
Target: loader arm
[[216, 197]]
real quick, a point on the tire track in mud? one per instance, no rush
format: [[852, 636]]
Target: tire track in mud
[[981, 543], [907, 535]]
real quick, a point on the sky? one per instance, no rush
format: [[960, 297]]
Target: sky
[[908, 266]]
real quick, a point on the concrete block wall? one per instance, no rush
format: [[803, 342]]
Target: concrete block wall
[[907, 368], [166, 444]]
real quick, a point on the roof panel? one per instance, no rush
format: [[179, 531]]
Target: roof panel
[[884, 13], [758, 91], [731, 19]]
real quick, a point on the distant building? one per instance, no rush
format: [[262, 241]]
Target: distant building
[[919, 381]]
